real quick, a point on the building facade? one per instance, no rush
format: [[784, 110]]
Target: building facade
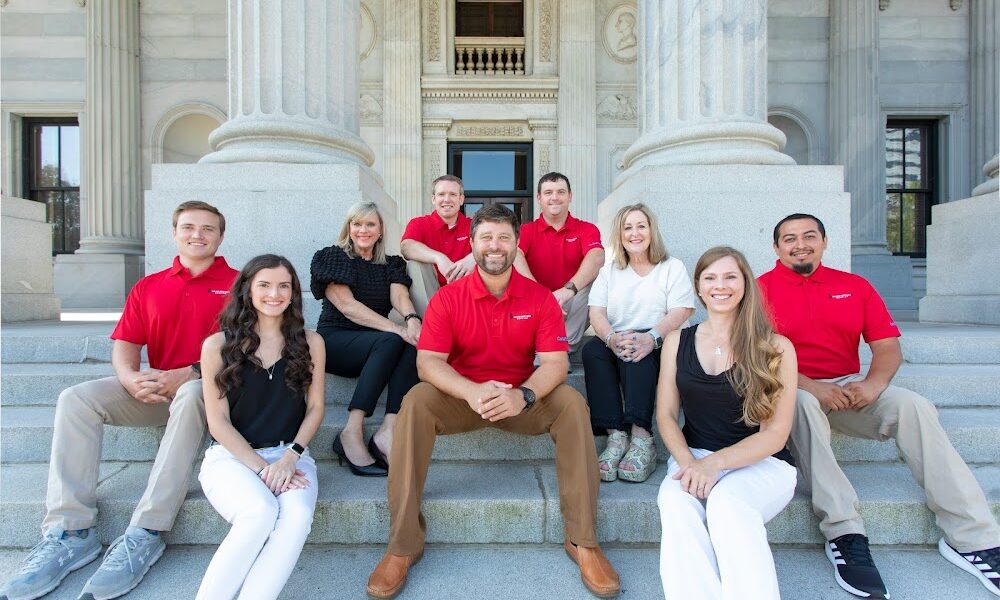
[[901, 93]]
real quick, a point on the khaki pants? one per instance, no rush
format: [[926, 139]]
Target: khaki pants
[[577, 317], [953, 494], [82, 412], [428, 412]]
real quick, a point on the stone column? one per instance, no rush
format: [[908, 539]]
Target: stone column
[[293, 84], [992, 184], [109, 260], [577, 104], [402, 119], [703, 86], [984, 28]]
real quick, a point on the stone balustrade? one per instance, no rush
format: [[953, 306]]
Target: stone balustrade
[[489, 56]]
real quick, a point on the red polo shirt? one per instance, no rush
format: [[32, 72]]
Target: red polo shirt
[[431, 231], [555, 256], [825, 315], [171, 312], [489, 338]]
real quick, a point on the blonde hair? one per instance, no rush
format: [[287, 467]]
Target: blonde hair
[[357, 211], [756, 359], [657, 251]]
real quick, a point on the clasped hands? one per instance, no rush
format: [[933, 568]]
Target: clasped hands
[[409, 331], [282, 476], [453, 271], [631, 346], [153, 386], [699, 477], [496, 400], [853, 395]]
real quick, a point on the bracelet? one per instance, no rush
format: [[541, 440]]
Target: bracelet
[[407, 318], [261, 470], [607, 340]]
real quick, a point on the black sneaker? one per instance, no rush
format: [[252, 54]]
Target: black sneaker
[[984, 564], [854, 568]]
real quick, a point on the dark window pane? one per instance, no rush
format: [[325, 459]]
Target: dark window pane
[[914, 149], [508, 19], [494, 170], [892, 222], [489, 19], [69, 151], [909, 208], [71, 216], [471, 208], [47, 156], [894, 158], [472, 19]]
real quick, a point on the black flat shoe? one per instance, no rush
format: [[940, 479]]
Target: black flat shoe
[[380, 458], [372, 470]]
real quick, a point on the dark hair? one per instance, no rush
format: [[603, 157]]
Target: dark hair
[[494, 213], [554, 177], [451, 178], [199, 205], [796, 217], [238, 321]]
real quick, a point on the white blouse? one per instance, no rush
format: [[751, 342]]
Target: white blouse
[[637, 302]]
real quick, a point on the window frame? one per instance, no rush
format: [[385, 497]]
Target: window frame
[[29, 190], [931, 168], [525, 198]]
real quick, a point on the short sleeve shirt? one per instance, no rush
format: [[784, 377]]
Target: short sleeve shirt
[[368, 281], [825, 316], [555, 256], [488, 338], [172, 312], [639, 302], [431, 231]]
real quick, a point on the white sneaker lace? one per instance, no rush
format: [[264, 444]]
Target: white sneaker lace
[[117, 560], [42, 553]]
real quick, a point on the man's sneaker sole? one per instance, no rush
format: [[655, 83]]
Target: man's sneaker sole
[[152, 561], [83, 562], [836, 573], [951, 555]]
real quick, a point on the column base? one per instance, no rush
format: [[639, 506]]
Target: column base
[[991, 185], [265, 138], [288, 209], [701, 206], [962, 266], [27, 256], [96, 280]]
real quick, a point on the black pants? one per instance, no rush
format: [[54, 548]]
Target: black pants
[[377, 359], [610, 381]]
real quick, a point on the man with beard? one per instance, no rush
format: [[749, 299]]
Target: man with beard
[[825, 312], [475, 355]]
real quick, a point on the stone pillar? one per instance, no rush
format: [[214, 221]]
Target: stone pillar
[[984, 29], [402, 119], [577, 104], [293, 84], [109, 261], [703, 86], [26, 282], [992, 184]]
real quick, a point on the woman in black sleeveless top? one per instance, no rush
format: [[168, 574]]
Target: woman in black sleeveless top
[[729, 472], [263, 380]]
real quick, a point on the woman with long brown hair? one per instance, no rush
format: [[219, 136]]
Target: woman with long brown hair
[[729, 472], [263, 380]]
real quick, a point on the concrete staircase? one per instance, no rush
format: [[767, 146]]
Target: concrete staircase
[[487, 492]]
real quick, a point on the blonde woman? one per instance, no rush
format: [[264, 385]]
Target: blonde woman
[[729, 472], [641, 296], [359, 285]]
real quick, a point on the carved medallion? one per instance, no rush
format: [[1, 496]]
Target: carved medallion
[[621, 35], [368, 33], [618, 107]]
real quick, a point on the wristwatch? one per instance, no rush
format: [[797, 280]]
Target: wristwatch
[[571, 286], [657, 339], [529, 397], [297, 449], [407, 318]]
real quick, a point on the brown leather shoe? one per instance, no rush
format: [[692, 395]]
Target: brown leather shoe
[[389, 575], [595, 570]]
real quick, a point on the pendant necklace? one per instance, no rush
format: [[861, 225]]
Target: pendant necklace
[[270, 372]]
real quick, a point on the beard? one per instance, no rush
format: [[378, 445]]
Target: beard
[[493, 267], [803, 268]]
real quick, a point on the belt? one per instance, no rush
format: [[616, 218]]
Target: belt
[[260, 445]]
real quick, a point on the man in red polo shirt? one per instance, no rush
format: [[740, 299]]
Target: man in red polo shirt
[[475, 355], [171, 313], [562, 253], [825, 312], [442, 237]]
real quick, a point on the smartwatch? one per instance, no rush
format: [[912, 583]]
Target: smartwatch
[[529, 397], [196, 367], [571, 286], [297, 449]]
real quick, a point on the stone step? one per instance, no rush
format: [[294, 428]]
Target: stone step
[[58, 342], [491, 504], [326, 572], [26, 436], [25, 384]]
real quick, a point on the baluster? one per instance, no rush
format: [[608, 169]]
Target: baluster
[[459, 60], [479, 60], [508, 65], [489, 61], [470, 61], [519, 66]]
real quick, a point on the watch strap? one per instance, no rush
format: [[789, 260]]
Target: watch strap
[[297, 449]]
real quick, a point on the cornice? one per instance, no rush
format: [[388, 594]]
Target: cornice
[[489, 89]]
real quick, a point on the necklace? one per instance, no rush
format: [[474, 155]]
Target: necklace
[[270, 372]]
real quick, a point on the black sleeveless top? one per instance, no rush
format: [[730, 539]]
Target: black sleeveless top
[[713, 412], [265, 410]]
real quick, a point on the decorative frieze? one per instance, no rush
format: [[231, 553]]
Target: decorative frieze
[[545, 27], [620, 35], [490, 130], [503, 90], [617, 109], [433, 30]]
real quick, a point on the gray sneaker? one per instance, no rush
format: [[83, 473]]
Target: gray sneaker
[[49, 562], [125, 563]]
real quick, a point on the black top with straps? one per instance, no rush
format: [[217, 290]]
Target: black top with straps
[[264, 409], [713, 412]]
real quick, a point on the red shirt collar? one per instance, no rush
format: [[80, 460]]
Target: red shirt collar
[[440, 224], [219, 267], [569, 225], [515, 288], [818, 276]]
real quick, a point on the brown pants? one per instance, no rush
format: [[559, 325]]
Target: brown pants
[[428, 412]]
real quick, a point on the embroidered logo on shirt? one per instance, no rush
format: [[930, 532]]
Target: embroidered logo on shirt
[[840, 296], [562, 338], [571, 239], [219, 292], [461, 239], [520, 317]]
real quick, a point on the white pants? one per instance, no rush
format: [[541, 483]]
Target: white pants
[[717, 548], [267, 532]]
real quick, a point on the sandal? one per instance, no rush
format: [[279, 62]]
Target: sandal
[[608, 461], [640, 460]]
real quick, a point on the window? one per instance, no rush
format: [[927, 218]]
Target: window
[[52, 176], [494, 174], [911, 184], [489, 18]]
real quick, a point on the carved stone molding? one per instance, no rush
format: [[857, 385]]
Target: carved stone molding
[[619, 33], [369, 109], [80, 3], [618, 108], [368, 33], [545, 27], [955, 4], [883, 4], [3, 3], [433, 30], [489, 130]]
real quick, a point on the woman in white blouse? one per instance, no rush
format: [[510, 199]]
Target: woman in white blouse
[[639, 297]]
